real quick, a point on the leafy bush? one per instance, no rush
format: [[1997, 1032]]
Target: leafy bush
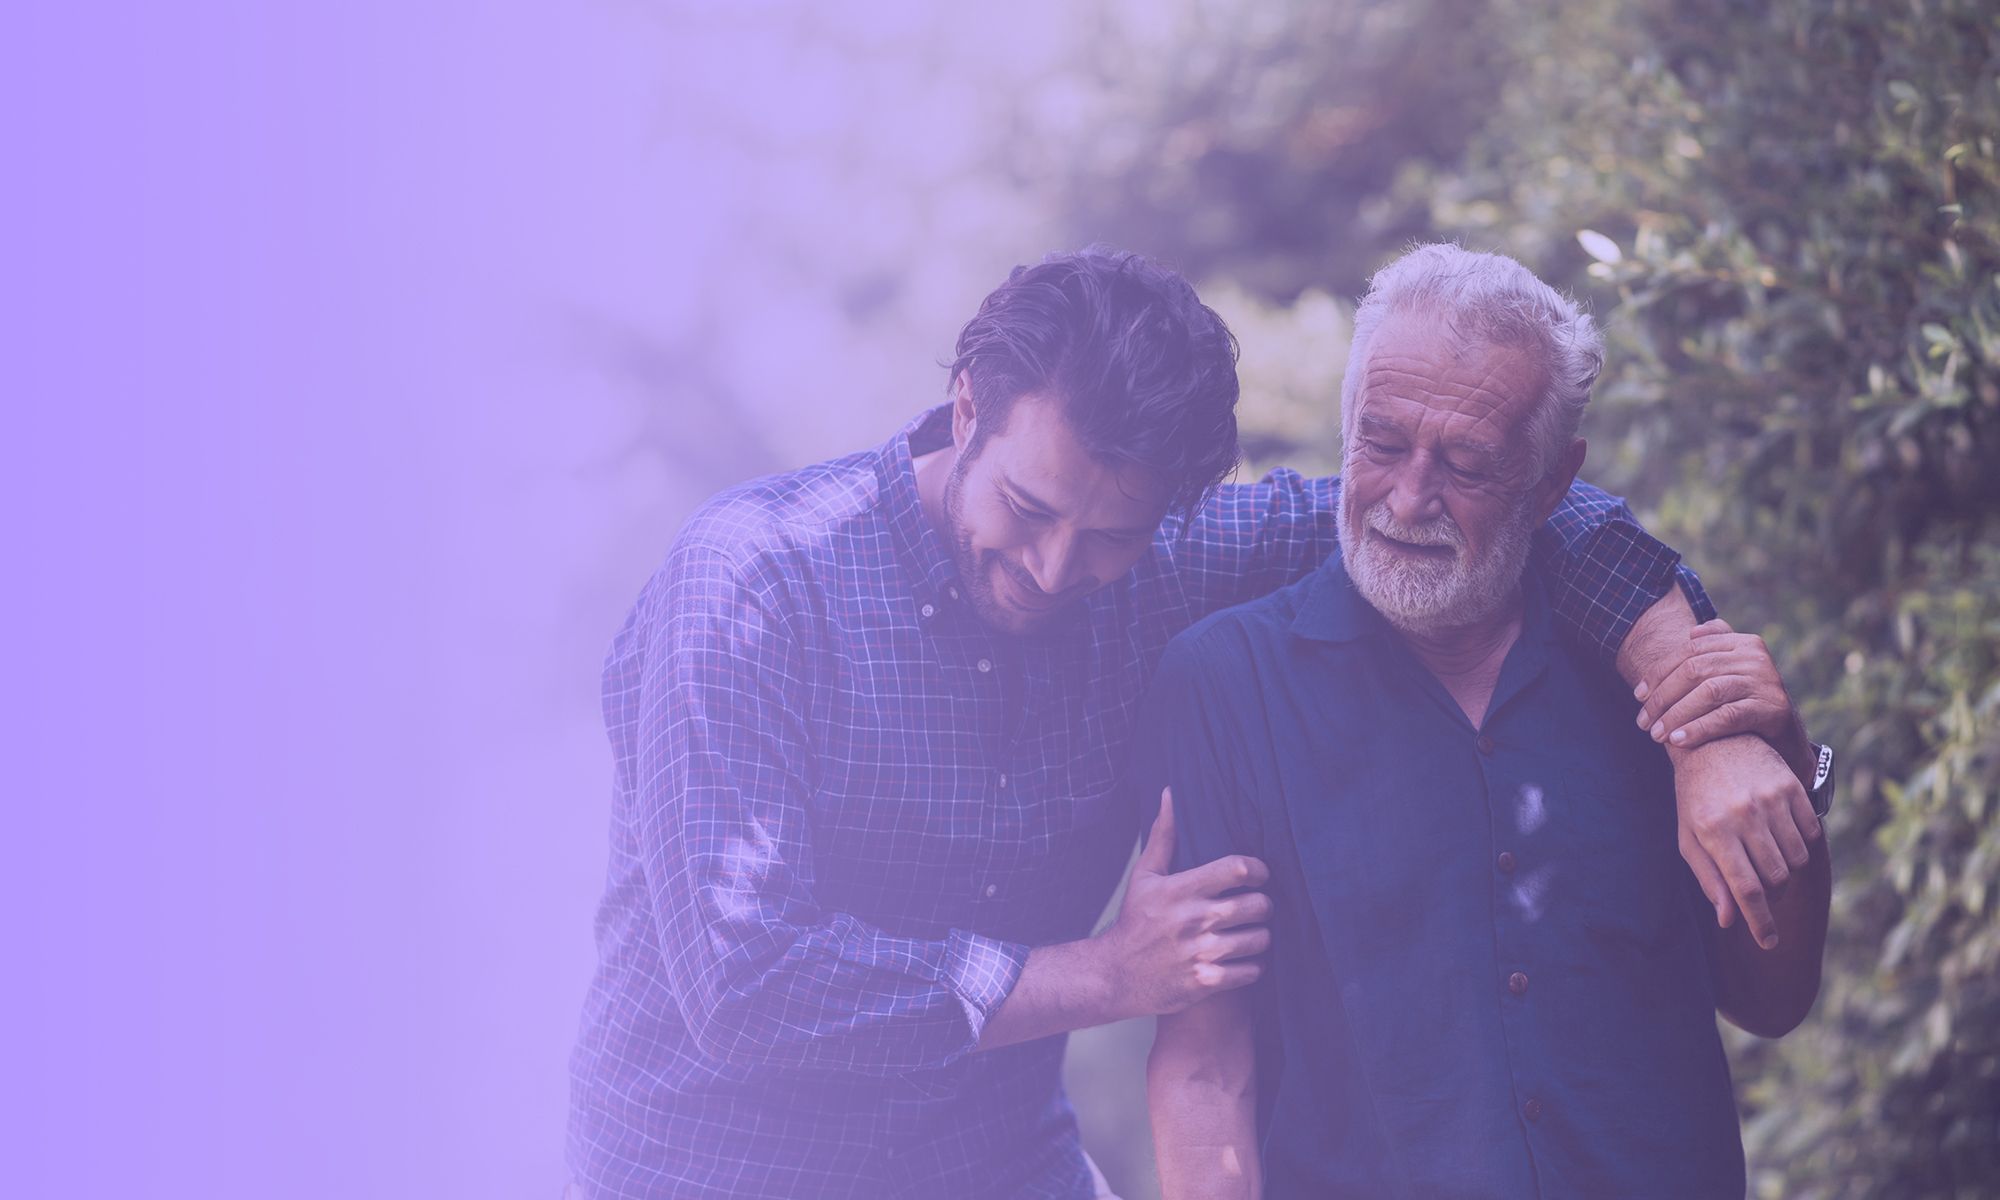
[[1788, 213]]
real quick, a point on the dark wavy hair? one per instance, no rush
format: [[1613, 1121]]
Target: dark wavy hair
[[1144, 371]]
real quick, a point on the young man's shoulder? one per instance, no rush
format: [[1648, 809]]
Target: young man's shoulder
[[802, 510], [784, 543]]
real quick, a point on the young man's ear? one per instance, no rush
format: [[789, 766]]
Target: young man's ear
[[1554, 486], [962, 414]]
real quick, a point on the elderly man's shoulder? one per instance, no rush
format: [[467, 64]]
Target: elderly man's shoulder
[[1237, 643]]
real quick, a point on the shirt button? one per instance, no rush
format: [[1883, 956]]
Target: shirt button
[[1532, 1109], [1485, 744], [1506, 862], [992, 890], [952, 592], [1003, 779], [1517, 983], [985, 665], [929, 610]]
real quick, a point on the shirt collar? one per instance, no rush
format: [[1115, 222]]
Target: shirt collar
[[922, 551]]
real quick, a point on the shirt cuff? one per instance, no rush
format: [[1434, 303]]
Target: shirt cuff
[[1697, 596], [981, 971]]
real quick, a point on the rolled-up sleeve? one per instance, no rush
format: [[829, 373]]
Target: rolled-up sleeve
[[761, 971], [1607, 570]]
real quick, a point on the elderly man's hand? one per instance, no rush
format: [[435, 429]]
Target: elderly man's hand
[[1724, 683], [1740, 753]]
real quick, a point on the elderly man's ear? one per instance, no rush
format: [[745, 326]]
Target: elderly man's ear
[[1555, 485]]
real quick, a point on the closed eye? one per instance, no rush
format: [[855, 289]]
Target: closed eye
[[1026, 514]]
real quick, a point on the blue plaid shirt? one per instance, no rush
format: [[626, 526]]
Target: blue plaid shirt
[[844, 809]]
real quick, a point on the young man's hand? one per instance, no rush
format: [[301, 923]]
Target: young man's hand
[[1178, 939], [1182, 937]]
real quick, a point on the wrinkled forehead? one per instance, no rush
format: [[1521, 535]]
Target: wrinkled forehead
[[1419, 375]]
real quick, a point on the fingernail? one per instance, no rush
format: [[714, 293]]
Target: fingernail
[[1641, 690], [1680, 735], [1659, 727], [1771, 943]]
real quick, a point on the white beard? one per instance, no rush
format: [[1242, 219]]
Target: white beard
[[1426, 596]]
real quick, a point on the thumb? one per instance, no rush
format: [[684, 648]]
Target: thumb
[[1158, 854]]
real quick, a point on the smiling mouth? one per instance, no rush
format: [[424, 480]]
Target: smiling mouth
[[1426, 550]]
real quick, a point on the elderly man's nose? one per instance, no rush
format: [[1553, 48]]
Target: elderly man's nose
[[1416, 496]]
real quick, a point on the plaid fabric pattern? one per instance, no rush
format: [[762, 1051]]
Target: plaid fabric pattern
[[844, 810]]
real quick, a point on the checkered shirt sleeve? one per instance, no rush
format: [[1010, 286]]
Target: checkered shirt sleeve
[[761, 972]]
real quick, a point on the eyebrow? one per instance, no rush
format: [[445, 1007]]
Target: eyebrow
[[1371, 423], [1034, 501]]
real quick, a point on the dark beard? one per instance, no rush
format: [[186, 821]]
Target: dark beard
[[973, 577], [964, 559]]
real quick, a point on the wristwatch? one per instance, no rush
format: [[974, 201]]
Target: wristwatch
[[1821, 791]]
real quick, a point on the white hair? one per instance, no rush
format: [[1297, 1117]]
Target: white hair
[[1487, 299]]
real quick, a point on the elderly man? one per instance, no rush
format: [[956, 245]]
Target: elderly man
[[1490, 973]]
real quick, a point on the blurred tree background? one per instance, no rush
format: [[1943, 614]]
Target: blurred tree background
[[1786, 215]]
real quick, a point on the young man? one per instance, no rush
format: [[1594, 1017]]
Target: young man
[[868, 722], [1491, 973]]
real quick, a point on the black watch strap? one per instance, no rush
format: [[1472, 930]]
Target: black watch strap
[[1821, 791]]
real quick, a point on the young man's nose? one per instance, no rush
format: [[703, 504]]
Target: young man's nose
[[1054, 562]]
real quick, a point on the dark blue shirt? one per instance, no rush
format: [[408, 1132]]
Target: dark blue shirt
[[843, 809], [1490, 973]]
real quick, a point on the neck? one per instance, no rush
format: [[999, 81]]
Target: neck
[[933, 470], [1467, 658]]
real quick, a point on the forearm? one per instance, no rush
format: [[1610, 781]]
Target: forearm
[[1061, 988], [1658, 638], [1201, 1095], [840, 995], [1768, 992]]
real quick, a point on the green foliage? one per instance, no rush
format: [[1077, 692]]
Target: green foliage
[[1790, 214], [1796, 207]]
